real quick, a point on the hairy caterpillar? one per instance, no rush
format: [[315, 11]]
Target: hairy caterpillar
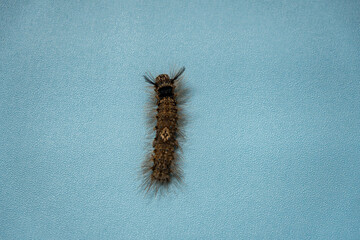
[[161, 168]]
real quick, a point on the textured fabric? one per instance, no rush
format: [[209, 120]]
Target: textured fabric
[[273, 144]]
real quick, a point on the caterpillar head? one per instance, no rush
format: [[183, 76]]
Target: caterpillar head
[[164, 86], [163, 80]]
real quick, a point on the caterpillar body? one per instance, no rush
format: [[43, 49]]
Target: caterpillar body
[[162, 168]]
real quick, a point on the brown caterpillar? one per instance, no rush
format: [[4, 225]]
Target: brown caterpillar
[[161, 168]]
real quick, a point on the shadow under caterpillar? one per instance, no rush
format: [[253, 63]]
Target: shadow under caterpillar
[[162, 167]]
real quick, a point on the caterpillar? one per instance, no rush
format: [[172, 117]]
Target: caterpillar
[[162, 167]]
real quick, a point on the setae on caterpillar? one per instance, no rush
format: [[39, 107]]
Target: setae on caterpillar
[[161, 168]]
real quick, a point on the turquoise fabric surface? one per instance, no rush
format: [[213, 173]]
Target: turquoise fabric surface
[[273, 148]]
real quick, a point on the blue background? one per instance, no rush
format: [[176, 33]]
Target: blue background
[[273, 144]]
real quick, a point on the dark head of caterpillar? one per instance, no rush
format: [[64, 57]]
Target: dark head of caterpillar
[[161, 169], [164, 86]]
